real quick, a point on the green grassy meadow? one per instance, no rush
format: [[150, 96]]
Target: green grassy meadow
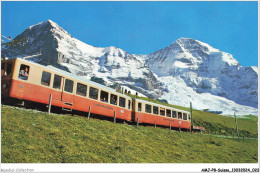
[[30, 136]]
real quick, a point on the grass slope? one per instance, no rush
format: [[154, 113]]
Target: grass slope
[[29, 136]]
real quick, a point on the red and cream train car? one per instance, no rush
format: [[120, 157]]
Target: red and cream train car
[[25, 80], [152, 113]]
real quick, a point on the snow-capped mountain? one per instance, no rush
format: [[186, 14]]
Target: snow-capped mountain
[[112, 64], [188, 70], [207, 70]]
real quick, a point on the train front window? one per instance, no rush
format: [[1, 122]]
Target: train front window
[[81, 89], [162, 111], [113, 99], [188, 117], [24, 72], [93, 93], [168, 113], [104, 96], [140, 107], [148, 108], [57, 81], [9, 68], [122, 102], [155, 110], [69, 85], [179, 115], [174, 115], [184, 116], [46, 78]]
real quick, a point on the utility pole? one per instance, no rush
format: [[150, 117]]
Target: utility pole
[[191, 116], [236, 124]]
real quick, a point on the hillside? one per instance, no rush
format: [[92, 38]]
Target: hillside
[[30, 136]]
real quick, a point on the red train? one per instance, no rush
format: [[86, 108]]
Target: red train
[[25, 80]]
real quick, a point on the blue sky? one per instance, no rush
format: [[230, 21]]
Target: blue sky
[[145, 27]]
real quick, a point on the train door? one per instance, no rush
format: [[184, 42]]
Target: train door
[[57, 87], [67, 91], [134, 110]]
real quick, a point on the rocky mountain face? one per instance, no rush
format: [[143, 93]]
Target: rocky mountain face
[[186, 71], [41, 38], [207, 70], [60, 49]]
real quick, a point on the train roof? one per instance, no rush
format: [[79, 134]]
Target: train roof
[[79, 78], [156, 104]]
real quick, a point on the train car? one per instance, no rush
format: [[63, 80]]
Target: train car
[[152, 113], [26, 80]]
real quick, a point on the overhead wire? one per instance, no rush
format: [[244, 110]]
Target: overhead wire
[[13, 51], [6, 38]]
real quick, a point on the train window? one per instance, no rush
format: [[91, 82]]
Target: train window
[[93, 93], [24, 72], [81, 89], [46, 78], [155, 110], [168, 113], [148, 108], [174, 115], [162, 111], [69, 85], [140, 107], [129, 104], [57, 81], [113, 99], [179, 115], [184, 116], [9, 68], [122, 102], [188, 117], [104, 96], [2, 69]]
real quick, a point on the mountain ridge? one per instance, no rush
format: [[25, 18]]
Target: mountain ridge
[[196, 65], [205, 69]]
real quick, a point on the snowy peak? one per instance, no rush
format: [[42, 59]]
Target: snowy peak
[[43, 24], [41, 38], [48, 27], [203, 51], [191, 45], [192, 54], [206, 70]]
